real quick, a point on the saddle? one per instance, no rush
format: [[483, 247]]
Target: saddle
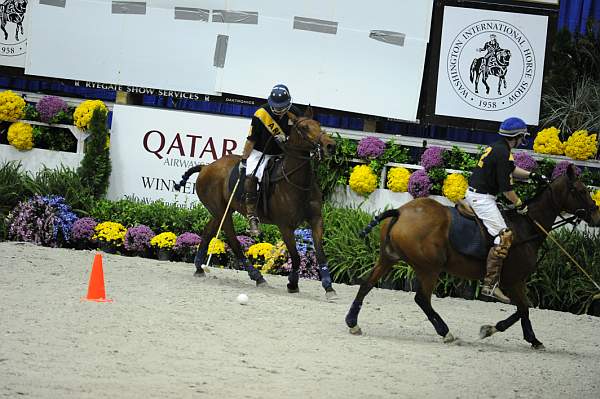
[[272, 174], [467, 233]]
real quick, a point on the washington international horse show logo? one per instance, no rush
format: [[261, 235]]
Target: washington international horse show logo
[[12, 39], [491, 65]]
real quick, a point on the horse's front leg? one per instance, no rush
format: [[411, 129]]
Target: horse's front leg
[[484, 81], [519, 297], [316, 224], [287, 234], [500, 85]]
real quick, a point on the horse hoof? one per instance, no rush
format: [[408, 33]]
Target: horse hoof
[[355, 330], [262, 283], [331, 295], [538, 346], [293, 290], [486, 331], [199, 273], [449, 338]]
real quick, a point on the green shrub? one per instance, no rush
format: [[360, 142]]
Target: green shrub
[[96, 167]]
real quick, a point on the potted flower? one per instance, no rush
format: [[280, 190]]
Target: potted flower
[[82, 232], [216, 248], [110, 236], [137, 240], [419, 184], [186, 246], [164, 242]]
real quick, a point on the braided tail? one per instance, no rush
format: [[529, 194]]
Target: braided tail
[[186, 176], [377, 219]]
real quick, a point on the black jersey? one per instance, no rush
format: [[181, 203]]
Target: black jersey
[[493, 173], [265, 124]]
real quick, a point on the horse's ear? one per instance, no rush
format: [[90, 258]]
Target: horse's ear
[[292, 117], [308, 112], [571, 172]]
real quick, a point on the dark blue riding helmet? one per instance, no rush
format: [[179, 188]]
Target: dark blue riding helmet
[[513, 127], [280, 100]]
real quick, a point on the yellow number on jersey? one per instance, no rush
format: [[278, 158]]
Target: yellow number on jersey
[[485, 154]]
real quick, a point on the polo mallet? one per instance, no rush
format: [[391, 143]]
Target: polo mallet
[[597, 296], [205, 266]]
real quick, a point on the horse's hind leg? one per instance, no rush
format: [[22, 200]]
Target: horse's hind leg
[[207, 234], [423, 299], [239, 253], [287, 234], [382, 268]]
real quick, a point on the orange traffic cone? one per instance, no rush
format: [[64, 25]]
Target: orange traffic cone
[[96, 287]]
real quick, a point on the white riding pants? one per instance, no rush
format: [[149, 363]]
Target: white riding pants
[[486, 209], [253, 162]]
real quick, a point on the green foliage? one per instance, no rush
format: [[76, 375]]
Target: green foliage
[[557, 283], [458, 159], [546, 166], [350, 257], [96, 167], [63, 182], [335, 169], [437, 176], [31, 114], [158, 215], [53, 138], [269, 233]]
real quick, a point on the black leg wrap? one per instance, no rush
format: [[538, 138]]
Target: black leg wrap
[[505, 324], [352, 316], [325, 275], [438, 323]]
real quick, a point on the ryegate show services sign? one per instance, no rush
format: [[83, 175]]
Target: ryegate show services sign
[[491, 64], [151, 148]]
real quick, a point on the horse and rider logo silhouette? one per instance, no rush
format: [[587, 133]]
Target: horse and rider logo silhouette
[[494, 63], [13, 11]]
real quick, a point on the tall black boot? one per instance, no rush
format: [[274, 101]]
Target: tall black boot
[[251, 200]]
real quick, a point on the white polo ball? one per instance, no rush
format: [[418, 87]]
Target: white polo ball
[[242, 299]]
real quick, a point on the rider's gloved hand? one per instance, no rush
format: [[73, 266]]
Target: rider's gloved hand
[[280, 138], [521, 208], [242, 165], [538, 177]]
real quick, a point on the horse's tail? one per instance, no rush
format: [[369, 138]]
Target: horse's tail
[[475, 65], [186, 176], [377, 219]]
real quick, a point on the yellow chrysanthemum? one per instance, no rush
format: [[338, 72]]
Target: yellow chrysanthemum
[[110, 232], [362, 180], [260, 249], [216, 247], [12, 106], [581, 146], [548, 141], [276, 255], [596, 197], [455, 186], [20, 136], [84, 111], [397, 180], [164, 240]]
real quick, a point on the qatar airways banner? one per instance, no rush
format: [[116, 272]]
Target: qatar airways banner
[[151, 148]]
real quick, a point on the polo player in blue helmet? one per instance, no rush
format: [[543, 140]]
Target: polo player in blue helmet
[[269, 129], [493, 175]]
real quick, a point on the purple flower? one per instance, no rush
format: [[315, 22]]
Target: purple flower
[[432, 158], [83, 229], [246, 242], [419, 184], [187, 240], [50, 106], [308, 266], [561, 169], [370, 147], [525, 161], [138, 238], [41, 220]]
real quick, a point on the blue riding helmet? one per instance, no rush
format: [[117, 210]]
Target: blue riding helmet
[[513, 127], [280, 100]]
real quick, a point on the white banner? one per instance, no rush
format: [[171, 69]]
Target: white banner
[[13, 37], [151, 148], [491, 65]]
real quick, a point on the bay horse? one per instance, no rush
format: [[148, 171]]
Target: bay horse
[[295, 197], [418, 234], [497, 67]]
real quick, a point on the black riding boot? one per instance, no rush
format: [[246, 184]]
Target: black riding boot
[[251, 188]]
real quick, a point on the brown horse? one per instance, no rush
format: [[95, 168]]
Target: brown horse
[[418, 234], [295, 197]]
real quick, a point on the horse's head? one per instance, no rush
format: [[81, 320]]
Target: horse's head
[[306, 134], [21, 6], [572, 196], [503, 56]]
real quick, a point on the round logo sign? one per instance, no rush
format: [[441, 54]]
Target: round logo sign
[[13, 41], [491, 65]]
